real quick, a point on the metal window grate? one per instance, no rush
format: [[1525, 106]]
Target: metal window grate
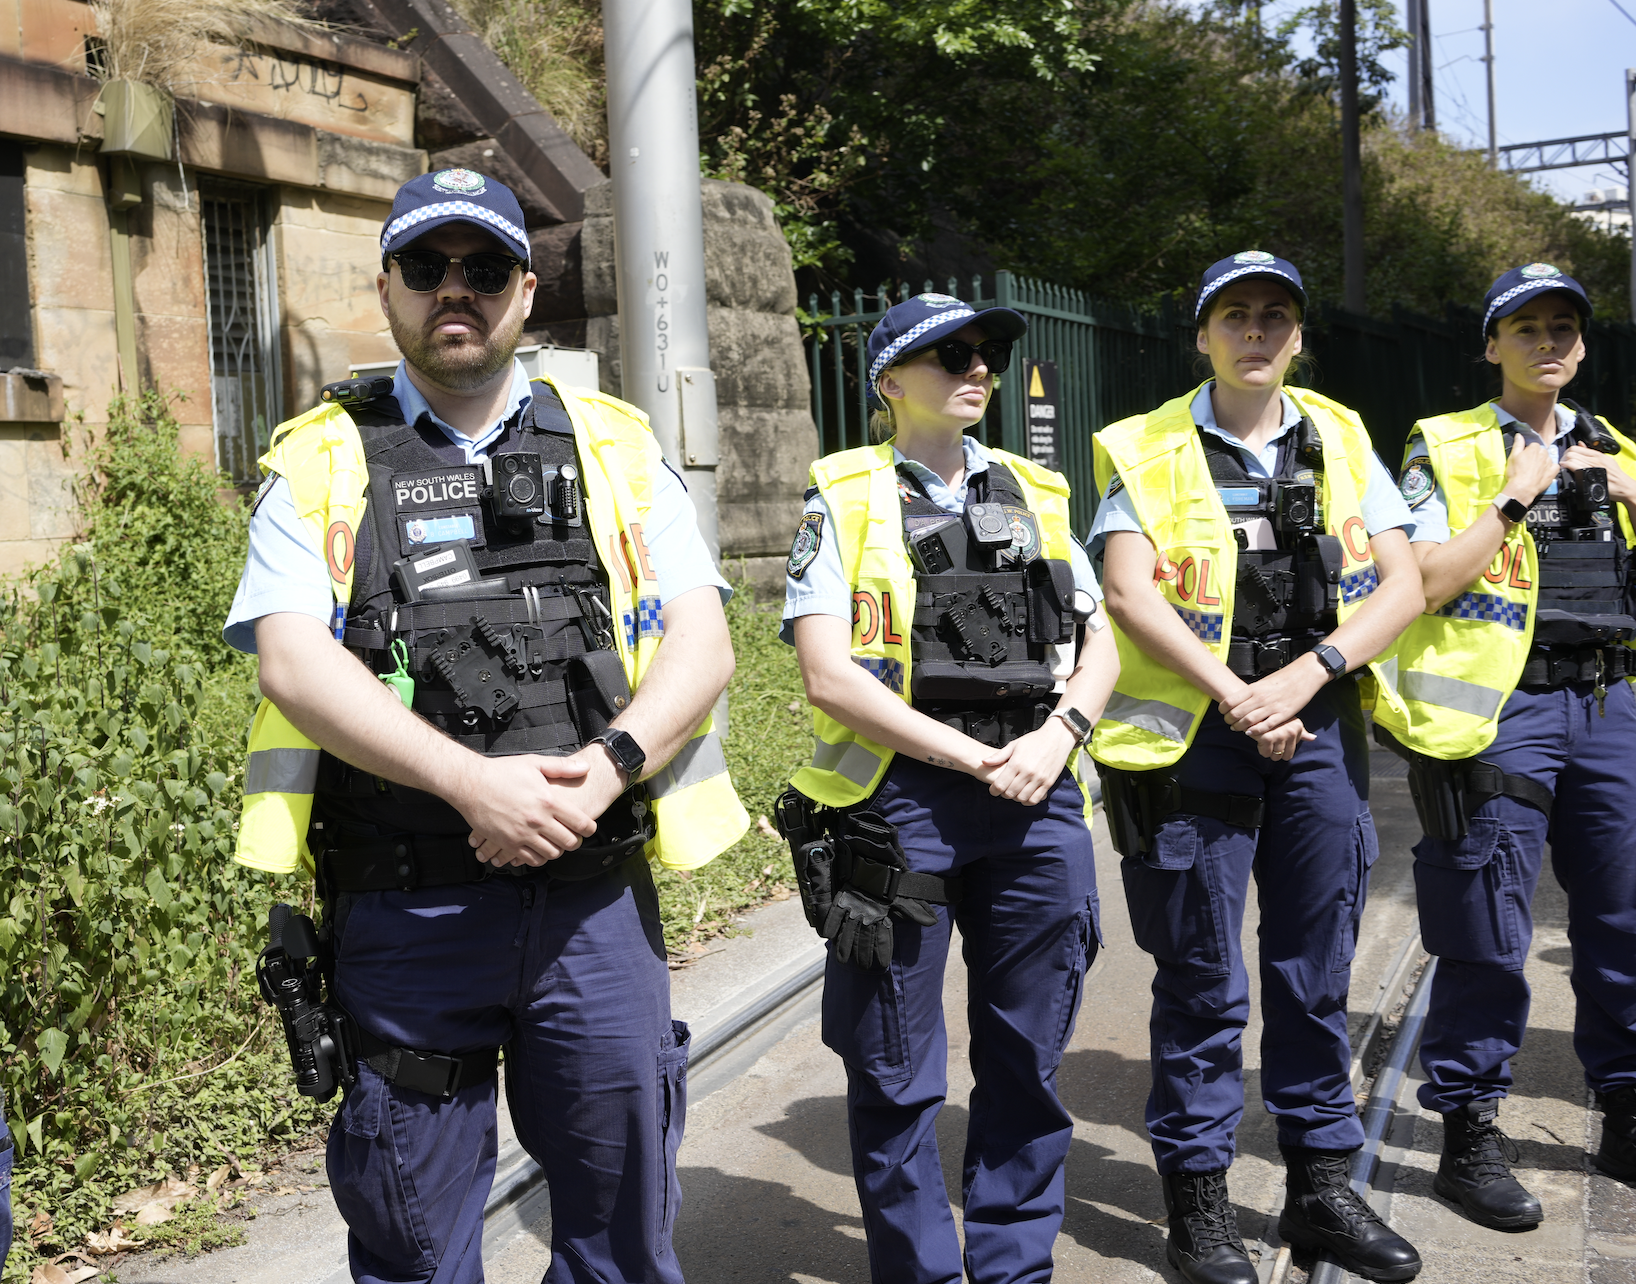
[[243, 323]]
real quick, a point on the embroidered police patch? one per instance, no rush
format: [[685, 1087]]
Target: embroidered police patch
[[461, 182], [261, 494], [1115, 485], [804, 550], [1253, 256], [1538, 271], [1417, 482]]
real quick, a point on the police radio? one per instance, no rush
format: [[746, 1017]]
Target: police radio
[[322, 1041]]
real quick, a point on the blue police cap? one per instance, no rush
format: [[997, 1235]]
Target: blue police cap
[[921, 321], [1514, 288], [1253, 265], [454, 196]]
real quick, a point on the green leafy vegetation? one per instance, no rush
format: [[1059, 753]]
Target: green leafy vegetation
[[133, 1043]]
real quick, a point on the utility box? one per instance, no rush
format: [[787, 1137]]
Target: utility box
[[137, 120]]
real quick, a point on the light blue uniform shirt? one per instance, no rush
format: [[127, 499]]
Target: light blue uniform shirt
[[1431, 509], [1382, 506], [823, 588], [285, 572]]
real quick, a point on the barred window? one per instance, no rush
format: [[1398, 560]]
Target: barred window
[[240, 284]]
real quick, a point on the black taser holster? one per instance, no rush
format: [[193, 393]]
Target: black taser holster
[[1137, 804], [1447, 792]]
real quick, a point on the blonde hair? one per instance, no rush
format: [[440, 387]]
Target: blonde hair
[[882, 427]]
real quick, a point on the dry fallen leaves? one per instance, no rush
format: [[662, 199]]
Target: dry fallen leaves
[[70, 1268], [114, 1240], [156, 1203], [213, 1183], [764, 827], [40, 1227]]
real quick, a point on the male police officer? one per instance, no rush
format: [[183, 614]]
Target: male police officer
[[518, 564], [1520, 730]]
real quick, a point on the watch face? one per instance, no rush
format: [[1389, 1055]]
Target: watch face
[[627, 753]]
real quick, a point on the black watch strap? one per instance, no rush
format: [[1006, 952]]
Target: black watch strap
[[1333, 661], [626, 752]]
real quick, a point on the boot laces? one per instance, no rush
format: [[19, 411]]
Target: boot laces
[[1333, 1186], [1489, 1153], [1210, 1222]]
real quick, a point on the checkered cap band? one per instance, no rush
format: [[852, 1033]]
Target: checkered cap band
[[1252, 270], [889, 353], [1488, 608], [1205, 624], [452, 209], [1516, 291]]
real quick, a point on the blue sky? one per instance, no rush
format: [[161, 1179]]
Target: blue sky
[[1559, 69]]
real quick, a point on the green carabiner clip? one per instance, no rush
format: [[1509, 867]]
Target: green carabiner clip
[[401, 681]]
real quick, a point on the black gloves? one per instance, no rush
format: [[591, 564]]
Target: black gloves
[[859, 921]]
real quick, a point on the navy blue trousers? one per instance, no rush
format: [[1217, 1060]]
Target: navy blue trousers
[[571, 978], [1310, 860], [1475, 897], [6, 1157], [1028, 923]]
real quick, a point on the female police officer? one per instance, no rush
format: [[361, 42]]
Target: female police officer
[[1521, 731], [1253, 556], [933, 589]]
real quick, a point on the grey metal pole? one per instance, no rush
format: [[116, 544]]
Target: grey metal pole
[[1351, 163], [1411, 20], [653, 133], [1427, 99], [1488, 58], [1630, 178]]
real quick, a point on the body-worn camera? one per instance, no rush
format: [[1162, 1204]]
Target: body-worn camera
[[322, 1041], [988, 527], [525, 492], [1295, 508]]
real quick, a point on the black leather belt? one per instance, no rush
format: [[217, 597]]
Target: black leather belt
[[430, 1072], [994, 727], [1552, 670], [408, 862], [1252, 658]]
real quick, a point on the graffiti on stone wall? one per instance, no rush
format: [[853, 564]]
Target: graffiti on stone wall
[[322, 80]]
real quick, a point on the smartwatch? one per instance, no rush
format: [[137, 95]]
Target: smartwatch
[[1076, 722], [624, 750], [1513, 510], [1333, 661]]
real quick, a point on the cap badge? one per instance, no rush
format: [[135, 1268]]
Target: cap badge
[[1253, 256], [460, 181], [938, 300], [1535, 270]]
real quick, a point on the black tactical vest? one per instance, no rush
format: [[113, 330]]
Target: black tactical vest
[[989, 608], [1285, 597], [1585, 579], [490, 580]]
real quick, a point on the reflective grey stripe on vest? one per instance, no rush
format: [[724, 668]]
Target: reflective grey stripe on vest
[[1450, 693], [1149, 715], [1386, 671], [699, 759], [281, 771], [850, 760]]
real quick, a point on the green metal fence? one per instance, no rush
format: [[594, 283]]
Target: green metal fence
[[1114, 362]]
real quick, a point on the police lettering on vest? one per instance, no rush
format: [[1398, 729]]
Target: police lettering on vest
[[512, 602], [960, 616], [1554, 607], [1259, 570]]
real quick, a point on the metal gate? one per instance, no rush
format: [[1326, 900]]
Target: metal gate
[[1113, 362], [243, 310]]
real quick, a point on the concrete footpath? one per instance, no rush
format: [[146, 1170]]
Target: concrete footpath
[[766, 1171]]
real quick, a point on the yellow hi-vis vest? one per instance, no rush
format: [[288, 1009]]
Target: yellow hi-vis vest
[[697, 815], [1457, 666], [861, 488], [1154, 713]]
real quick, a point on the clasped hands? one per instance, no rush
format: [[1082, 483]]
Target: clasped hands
[[530, 809], [1267, 710]]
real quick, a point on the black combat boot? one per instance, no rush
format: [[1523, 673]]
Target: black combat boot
[[1204, 1244], [1475, 1171], [1617, 1156], [1322, 1211]]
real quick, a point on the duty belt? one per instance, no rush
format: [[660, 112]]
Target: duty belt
[[1137, 803], [1552, 670], [995, 727], [1252, 658], [433, 1073], [406, 862]]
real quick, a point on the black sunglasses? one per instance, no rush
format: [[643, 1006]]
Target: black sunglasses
[[424, 270], [954, 355]]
